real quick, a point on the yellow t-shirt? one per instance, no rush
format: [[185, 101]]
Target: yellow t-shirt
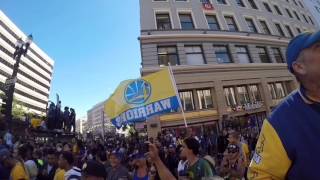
[[75, 149], [59, 174], [246, 153], [19, 172]]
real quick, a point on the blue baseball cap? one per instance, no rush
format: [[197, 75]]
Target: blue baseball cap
[[300, 43], [117, 154]]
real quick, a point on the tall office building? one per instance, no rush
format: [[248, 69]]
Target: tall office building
[[35, 72], [314, 8], [227, 56], [80, 124], [95, 119]]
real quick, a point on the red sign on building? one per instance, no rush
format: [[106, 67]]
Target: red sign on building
[[207, 5]]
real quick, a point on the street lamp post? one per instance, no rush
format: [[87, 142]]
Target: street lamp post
[[21, 48]]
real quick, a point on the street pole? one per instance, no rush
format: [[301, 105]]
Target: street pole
[[21, 49], [103, 130], [10, 91]]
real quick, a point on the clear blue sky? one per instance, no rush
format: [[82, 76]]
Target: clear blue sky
[[93, 43]]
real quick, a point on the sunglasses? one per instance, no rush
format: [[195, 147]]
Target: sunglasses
[[233, 149]]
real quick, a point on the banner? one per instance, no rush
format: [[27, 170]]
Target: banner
[[139, 99]]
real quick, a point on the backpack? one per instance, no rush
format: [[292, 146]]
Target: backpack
[[211, 162]]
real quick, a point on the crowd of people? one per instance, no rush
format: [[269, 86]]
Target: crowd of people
[[284, 150], [169, 156]]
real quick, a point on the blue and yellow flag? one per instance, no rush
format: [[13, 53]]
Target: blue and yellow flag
[[139, 99]]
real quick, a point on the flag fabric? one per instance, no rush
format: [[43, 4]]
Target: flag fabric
[[137, 100]]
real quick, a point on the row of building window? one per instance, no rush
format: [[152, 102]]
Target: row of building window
[[23, 63], [22, 72], [266, 5], [253, 4], [186, 22], [234, 95], [3, 73], [30, 49], [195, 56], [27, 56], [27, 105]]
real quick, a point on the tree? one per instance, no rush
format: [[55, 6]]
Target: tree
[[18, 109]]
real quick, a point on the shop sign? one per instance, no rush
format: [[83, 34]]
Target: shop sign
[[248, 107]]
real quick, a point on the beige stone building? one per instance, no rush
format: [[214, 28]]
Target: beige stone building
[[228, 56]]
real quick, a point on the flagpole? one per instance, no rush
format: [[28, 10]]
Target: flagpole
[[177, 94]]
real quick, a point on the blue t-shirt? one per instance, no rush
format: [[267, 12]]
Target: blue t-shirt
[[4, 172], [135, 177]]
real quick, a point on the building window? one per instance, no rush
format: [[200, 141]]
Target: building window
[[289, 13], [251, 26], [296, 14], [186, 21], [213, 22], [243, 55], [305, 18], [264, 27], [295, 2], [277, 90], [301, 4], [277, 55], [311, 20], [280, 90], [187, 102], [262, 52], [243, 95], [222, 54], [163, 21], [230, 96], [253, 4], [254, 93], [280, 31], [272, 90], [299, 30], [239, 3], [277, 9], [168, 55], [194, 55], [221, 2], [289, 31], [231, 23], [205, 99], [267, 7]]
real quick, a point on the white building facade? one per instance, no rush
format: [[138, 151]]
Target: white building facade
[[314, 8], [96, 117], [80, 125], [35, 71]]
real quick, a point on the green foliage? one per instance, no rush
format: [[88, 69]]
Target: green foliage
[[18, 110]]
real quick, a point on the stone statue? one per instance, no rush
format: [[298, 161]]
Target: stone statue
[[66, 119], [58, 118], [51, 116], [73, 119]]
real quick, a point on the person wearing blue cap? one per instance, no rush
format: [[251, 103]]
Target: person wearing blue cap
[[141, 168], [117, 171], [288, 145]]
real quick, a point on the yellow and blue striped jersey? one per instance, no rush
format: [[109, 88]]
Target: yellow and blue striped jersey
[[288, 146]]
